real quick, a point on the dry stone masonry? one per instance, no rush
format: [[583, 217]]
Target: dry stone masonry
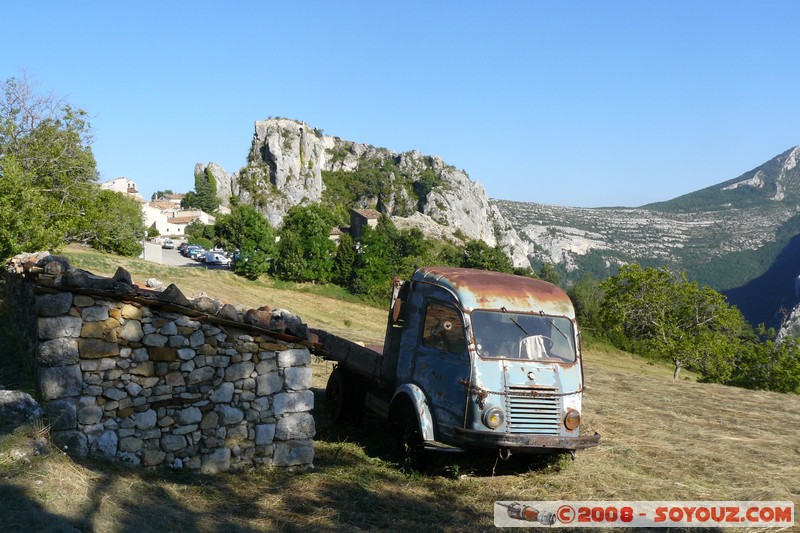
[[151, 378]]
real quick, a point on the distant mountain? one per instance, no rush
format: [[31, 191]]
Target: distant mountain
[[728, 236], [736, 237]]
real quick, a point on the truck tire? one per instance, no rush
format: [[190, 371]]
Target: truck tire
[[343, 397], [408, 439]]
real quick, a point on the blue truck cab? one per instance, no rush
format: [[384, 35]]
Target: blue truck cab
[[471, 359]]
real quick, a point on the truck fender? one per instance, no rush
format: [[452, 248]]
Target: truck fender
[[414, 395]]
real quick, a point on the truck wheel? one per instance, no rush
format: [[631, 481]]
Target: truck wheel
[[408, 439], [342, 396]]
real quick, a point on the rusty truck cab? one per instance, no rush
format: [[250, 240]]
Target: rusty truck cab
[[487, 360]]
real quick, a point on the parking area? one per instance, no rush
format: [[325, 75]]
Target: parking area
[[172, 257]]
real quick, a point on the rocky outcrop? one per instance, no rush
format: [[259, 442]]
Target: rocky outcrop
[[17, 408], [285, 168]]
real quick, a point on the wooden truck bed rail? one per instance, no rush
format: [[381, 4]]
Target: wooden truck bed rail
[[362, 360]]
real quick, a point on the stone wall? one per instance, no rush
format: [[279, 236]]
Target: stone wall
[[152, 378]]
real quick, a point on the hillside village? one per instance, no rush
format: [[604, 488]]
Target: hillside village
[[164, 214]]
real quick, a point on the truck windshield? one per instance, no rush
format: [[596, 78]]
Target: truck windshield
[[523, 336]]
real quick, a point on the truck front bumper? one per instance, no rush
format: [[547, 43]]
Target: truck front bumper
[[525, 443]]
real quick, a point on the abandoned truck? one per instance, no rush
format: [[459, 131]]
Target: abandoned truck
[[471, 359]]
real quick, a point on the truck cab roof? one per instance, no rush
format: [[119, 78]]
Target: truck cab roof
[[484, 289]]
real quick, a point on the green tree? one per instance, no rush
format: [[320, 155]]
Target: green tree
[[291, 262], [548, 273], [343, 262], [587, 296], [48, 174], [23, 224], [249, 232], [478, 254], [204, 196], [768, 364], [195, 230], [122, 233], [377, 260], [312, 229], [673, 318]]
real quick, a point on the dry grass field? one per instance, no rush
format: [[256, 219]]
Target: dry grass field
[[662, 440]]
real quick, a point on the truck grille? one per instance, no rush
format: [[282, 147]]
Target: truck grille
[[533, 410]]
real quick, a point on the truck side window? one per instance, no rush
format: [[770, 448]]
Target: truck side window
[[443, 329]]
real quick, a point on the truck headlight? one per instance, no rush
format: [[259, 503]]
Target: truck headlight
[[493, 417], [572, 420]]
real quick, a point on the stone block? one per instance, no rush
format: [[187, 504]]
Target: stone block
[[297, 378], [229, 415], [129, 311], [264, 434], [74, 443], [184, 430], [201, 374], [53, 304], [145, 420], [154, 339], [197, 339], [58, 352], [163, 353], [95, 313], [60, 381], [82, 300], [130, 444], [131, 331], [62, 414], [153, 457], [238, 371], [107, 444], [294, 357], [293, 453], [219, 460], [293, 402], [90, 414], [269, 384], [168, 329], [210, 420], [177, 341], [186, 354], [266, 365], [145, 369], [223, 393], [97, 348], [59, 327], [133, 388], [190, 415], [295, 426], [172, 443], [113, 393], [93, 330]]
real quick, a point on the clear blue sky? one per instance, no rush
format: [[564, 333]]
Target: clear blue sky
[[579, 103]]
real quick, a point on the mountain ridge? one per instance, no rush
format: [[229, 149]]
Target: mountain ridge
[[725, 235]]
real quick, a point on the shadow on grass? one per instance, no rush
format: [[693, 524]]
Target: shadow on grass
[[373, 436]]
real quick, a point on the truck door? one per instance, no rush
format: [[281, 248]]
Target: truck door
[[442, 360]]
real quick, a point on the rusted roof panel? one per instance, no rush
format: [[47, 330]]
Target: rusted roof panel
[[484, 289]]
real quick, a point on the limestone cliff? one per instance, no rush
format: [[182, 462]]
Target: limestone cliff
[[288, 158]]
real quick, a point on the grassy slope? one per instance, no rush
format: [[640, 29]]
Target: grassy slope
[[662, 440]]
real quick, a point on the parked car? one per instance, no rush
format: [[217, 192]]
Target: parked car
[[187, 251], [168, 244], [195, 252], [217, 258]]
